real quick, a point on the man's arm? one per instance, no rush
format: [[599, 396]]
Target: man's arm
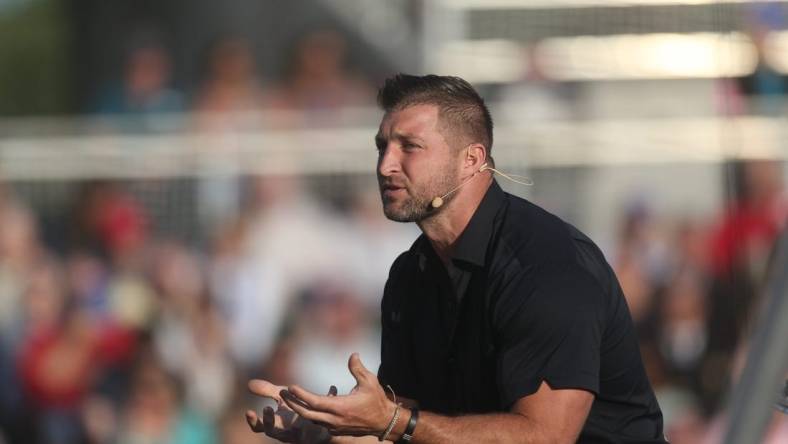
[[284, 426], [546, 416]]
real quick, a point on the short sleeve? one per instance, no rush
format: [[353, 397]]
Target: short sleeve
[[549, 326]]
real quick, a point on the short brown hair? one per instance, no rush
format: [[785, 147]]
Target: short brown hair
[[460, 107]]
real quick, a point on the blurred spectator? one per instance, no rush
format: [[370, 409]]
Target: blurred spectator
[[690, 246], [63, 354], [120, 299], [683, 336], [57, 369], [189, 334], [231, 84], [132, 301], [100, 419], [178, 280], [145, 91], [108, 221], [753, 219], [536, 97], [20, 252], [20, 256], [766, 86], [251, 295], [318, 77], [371, 244], [45, 300], [228, 101], [641, 261], [89, 282], [210, 374], [255, 284], [741, 244], [289, 221], [155, 412], [334, 326]]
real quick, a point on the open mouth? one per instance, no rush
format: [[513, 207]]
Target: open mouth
[[392, 190]]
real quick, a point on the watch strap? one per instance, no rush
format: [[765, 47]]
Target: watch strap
[[407, 435]]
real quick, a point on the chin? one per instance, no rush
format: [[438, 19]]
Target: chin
[[407, 214], [396, 216]]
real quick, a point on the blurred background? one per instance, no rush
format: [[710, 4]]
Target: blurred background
[[188, 200]]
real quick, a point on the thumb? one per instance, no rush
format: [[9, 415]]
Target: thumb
[[357, 369], [265, 389]]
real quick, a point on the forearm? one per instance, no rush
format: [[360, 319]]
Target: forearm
[[477, 429], [369, 439]]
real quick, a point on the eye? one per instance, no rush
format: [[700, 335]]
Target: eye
[[409, 146]]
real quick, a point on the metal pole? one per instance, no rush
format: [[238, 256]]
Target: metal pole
[[753, 400]]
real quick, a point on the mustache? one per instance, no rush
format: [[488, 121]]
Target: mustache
[[385, 183]]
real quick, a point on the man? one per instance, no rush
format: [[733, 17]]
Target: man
[[502, 322]]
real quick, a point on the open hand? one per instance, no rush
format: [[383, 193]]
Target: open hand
[[364, 411], [284, 424]]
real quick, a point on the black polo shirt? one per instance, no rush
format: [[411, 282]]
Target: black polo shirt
[[526, 298]]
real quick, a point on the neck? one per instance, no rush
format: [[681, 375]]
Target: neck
[[444, 228]]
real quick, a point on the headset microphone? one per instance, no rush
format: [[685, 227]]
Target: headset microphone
[[438, 201]]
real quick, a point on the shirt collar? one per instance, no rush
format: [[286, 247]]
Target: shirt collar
[[471, 246]]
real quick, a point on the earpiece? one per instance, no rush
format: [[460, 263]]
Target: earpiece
[[438, 201]]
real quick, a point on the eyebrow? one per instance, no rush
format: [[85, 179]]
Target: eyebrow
[[398, 136]]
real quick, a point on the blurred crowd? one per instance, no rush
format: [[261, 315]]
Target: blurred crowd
[[114, 331], [121, 335], [695, 288], [318, 79]]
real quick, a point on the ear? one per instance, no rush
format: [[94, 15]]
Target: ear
[[475, 157]]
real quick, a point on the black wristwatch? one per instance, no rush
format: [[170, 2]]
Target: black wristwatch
[[407, 435]]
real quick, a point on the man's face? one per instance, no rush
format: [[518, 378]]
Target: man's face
[[415, 163]]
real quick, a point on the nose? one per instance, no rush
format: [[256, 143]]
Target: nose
[[389, 161]]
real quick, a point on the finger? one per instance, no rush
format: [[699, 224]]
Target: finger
[[305, 411], [285, 418], [266, 389], [254, 421], [357, 369], [273, 425], [309, 399], [268, 420]]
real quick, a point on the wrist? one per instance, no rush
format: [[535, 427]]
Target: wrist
[[401, 425], [388, 413], [392, 418], [410, 427]]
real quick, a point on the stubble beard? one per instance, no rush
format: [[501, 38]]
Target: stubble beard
[[417, 205]]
